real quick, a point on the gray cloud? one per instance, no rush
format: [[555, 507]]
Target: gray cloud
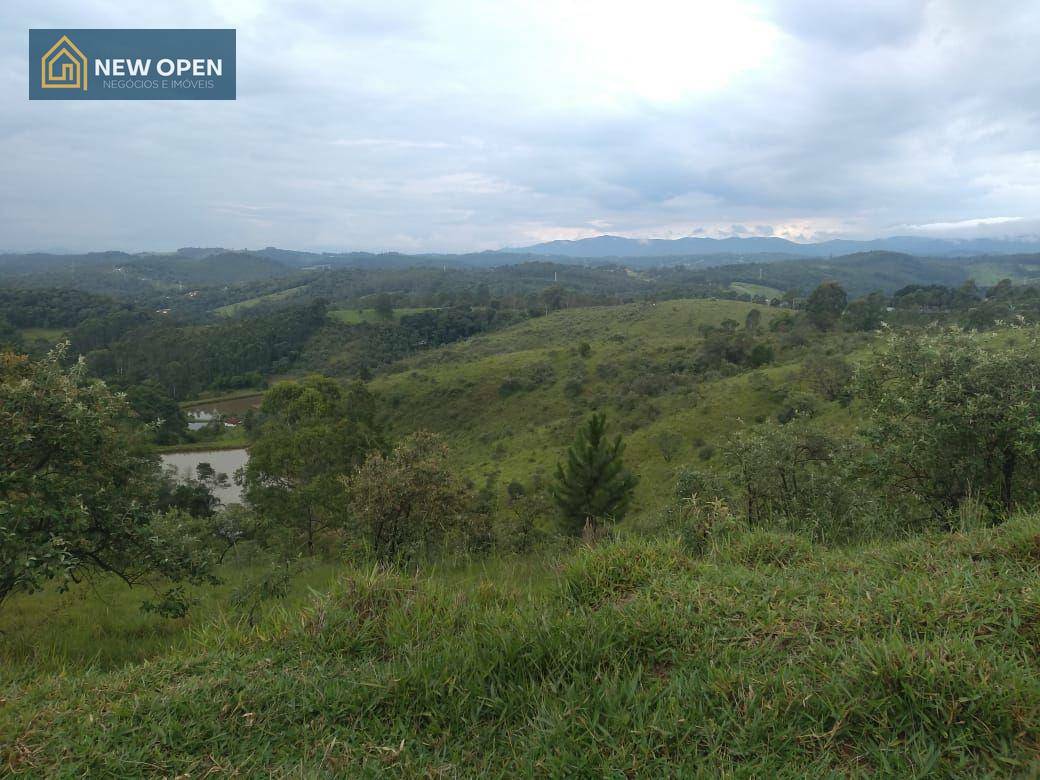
[[451, 125]]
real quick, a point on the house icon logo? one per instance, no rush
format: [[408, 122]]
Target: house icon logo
[[63, 66]]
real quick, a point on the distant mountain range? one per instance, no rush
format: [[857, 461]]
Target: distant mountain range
[[602, 247], [202, 266]]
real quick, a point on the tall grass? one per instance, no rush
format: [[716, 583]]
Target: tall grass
[[766, 656]]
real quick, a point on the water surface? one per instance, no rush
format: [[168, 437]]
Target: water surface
[[222, 461]]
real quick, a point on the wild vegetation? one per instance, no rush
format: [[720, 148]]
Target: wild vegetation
[[500, 526]]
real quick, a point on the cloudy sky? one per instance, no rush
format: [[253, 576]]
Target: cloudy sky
[[450, 125]]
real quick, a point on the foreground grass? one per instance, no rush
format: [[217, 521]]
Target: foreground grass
[[767, 657], [100, 625]]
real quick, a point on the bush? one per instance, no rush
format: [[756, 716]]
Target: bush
[[950, 416], [796, 477], [798, 405], [829, 377], [406, 503]]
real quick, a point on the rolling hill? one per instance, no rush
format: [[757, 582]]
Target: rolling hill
[[509, 402]]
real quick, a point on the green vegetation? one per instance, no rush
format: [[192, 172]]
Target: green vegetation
[[505, 526], [309, 435], [47, 335], [236, 308], [76, 488], [756, 290], [768, 656], [593, 486], [407, 502], [355, 316]]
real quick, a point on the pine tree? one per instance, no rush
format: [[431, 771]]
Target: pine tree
[[594, 485]]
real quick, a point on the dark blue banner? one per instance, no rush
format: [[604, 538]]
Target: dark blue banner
[[131, 64]]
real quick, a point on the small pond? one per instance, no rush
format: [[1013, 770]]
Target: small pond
[[222, 461]]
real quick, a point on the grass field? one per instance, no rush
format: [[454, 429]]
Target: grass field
[[281, 295], [765, 657], [230, 439], [667, 651], [756, 289], [226, 403], [355, 316], [99, 626]]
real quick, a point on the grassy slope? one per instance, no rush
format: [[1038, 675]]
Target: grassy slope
[[355, 316], [756, 289], [455, 390], [233, 308], [767, 657]]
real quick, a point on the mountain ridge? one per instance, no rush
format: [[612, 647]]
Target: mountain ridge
[[622, 247]]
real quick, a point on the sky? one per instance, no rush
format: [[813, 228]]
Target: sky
[[456, 126]]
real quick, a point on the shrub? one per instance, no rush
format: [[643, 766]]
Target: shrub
[[408, 501], [950, 416], [829, 377], [796, 477]]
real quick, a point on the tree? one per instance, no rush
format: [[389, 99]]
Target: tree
[[384, 306], [151, 403], [9, 337], [406, 502], [760, 355], [753, 321], [826, 304], [552, 297], [669, 443], [951, 418], [593, 486], [829, 377], [865, 313], [77, 485], [310, 433]]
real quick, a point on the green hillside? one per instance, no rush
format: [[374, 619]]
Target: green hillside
[[783, 614], [640, 370]]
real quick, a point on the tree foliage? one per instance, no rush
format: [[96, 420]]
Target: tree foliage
[[309, 434], [593, 486], [826, 304], [77, 487], [408, 501], [951, 416], [797, 477]]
